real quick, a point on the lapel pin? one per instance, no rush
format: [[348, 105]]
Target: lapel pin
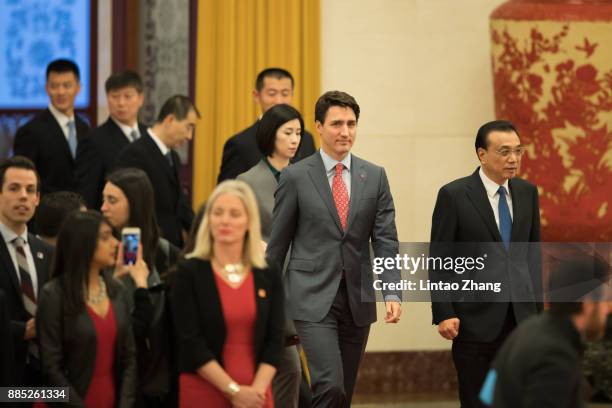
[[261, 293], [362, 176], [40, 255]]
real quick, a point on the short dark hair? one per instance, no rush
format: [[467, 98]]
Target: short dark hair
[[335, 98], [19, 162], [138, 190], [124, 79], [177, 105], [272, 119], [63, 65], [482, 135], [572, 279], [53, 209], [277, 73]]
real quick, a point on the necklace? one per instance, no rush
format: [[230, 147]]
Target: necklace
[[233, 272], [94, 300]]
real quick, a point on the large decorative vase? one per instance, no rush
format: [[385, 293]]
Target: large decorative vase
[[552, 68]]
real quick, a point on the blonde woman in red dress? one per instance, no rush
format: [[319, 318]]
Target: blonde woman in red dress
[[228, 308]]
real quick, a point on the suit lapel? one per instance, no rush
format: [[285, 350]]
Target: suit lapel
[[58, 134], [359, 177], [155, 153], [517, 211], [5, 259], [478, 196], [318, 176], [40, 261]]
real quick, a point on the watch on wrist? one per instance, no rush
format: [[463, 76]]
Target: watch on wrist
[[232, 389]]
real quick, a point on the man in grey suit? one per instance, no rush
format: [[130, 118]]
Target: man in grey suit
[[329, 207]]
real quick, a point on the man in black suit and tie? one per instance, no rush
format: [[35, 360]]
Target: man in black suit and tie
[[153, 153], [492, 209], [99, 150], [329, 208], [272, 87], [51, 138], [24, 264]]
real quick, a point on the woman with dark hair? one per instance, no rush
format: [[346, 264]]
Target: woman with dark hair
[[228, 308], [279, 134], [278, 138], [83, 319], [129, 201]]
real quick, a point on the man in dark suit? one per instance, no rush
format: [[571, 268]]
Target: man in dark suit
[[329, 207], [51, 138], [540, 365], [272, 87], [496, 213], [99, 150], [24, 264], [153, 153]]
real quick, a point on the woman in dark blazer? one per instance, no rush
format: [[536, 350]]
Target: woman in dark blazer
[[278, 138], [228, 308], [83, 321]]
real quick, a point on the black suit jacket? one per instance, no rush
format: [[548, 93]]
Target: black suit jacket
[[13, 298], [540, 365], [68, 346], [463, 224], [240, 152], [172, 206], [43, 141], [96, 156], [7, 364], [200, 325]]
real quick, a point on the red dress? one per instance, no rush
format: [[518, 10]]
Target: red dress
[[101, 391], [239, 312]]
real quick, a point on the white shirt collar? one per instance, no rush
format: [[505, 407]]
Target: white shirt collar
[[492, 186], [9, 235], [329, 163], [127, 130], [61, 118], [162, 147]]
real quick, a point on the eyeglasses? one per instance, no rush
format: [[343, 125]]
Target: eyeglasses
[[505, 152]]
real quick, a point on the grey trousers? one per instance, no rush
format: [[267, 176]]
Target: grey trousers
[[334, 348], [286, 383]]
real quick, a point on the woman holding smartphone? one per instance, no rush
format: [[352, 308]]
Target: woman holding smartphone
[[83, 319], [128, 203], [228, 308]]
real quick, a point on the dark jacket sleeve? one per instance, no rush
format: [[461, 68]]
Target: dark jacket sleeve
[[6, 346], [49, 330], [89, 172], [129, 372], [284, 220], [443, 225], [231, 165], [535, 252], [25, 143], [192, 346], [274, 340]]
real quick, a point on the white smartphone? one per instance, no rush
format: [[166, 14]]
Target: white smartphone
[[130, 239]]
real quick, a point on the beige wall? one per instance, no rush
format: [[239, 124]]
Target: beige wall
[[420, 70]]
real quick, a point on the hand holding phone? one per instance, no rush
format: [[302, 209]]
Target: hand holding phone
[[130, 239]]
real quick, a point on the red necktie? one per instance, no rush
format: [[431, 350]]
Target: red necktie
[[340, 194]]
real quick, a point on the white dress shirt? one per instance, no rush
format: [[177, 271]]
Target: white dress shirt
[[330, 169], [61, 119], [8, 236], [127, 130]]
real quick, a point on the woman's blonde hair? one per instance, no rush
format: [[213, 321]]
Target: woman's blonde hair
[[253, 252]]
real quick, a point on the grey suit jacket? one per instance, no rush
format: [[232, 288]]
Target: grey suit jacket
[[306, 218], [263, 183]]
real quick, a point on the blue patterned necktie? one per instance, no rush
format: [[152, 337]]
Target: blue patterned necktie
[[505, 220], [72, 138]]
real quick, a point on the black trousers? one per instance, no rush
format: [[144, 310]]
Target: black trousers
[[334, 348], [473, 360]]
